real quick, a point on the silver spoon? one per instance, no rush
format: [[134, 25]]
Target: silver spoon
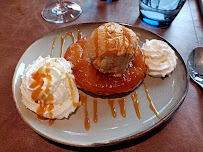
[[195, 65]]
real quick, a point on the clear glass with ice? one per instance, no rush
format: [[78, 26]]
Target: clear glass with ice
[[159, 13]]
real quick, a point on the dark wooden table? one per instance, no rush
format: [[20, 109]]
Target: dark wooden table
[[21, 24]]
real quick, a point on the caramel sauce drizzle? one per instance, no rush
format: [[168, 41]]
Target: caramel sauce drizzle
[[53, 45], [150, 101], [126, 35], [38, 81], [107, 42], [107, 52], [122, 107], [136, 104], [41, 109], [51, 121], [75, 104], [44, 101], [96, 41], [121, 102], [63, 40], [79, 33], [95, 110], [50, 108], [113, 110], [83, 100]]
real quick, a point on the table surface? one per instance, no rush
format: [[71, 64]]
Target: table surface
[[21, 24]]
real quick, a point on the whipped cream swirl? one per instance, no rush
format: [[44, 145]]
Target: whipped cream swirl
[[159, 57], [48, 88]]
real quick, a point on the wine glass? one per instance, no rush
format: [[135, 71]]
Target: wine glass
[[61, 11]]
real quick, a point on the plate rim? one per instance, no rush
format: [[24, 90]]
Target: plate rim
[[116, 141]]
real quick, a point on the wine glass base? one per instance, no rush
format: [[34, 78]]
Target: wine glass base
[[53, 13]]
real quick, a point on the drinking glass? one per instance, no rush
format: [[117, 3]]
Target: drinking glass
[[61, 11], [160, 13]]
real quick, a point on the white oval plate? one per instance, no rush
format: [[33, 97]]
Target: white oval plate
[[167, 95]]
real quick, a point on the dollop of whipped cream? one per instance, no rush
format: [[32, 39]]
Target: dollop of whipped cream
[[159, 57], [48, 88]]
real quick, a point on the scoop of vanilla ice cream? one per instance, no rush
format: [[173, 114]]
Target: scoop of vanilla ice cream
[[111, 47], [48, 88], [159, 57]]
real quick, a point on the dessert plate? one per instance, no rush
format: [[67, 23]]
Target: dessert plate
[[167, 94]]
